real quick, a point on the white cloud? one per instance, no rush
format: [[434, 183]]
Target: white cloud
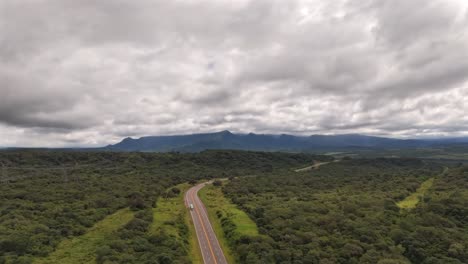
[[89, 73]]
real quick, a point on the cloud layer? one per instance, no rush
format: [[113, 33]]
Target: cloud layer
[[91, 72]]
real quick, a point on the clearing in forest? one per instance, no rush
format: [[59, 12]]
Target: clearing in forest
[[82, 249], [412, 201]]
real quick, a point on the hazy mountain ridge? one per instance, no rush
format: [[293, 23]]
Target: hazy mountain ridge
[[265, 142]]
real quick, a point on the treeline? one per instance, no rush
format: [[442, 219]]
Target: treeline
[[47, 196], [346, 212]]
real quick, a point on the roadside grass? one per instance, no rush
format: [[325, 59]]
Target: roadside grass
[[169, 213], [214, 201], [82, 249], [412, 201]]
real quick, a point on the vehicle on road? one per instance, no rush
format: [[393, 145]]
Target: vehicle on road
[[210, 248]]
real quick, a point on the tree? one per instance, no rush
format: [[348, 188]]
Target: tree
[[217, 183]]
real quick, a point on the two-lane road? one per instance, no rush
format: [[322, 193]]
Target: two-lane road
[[209, 244]]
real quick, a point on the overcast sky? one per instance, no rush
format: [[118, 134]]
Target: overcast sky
[[86, 72]]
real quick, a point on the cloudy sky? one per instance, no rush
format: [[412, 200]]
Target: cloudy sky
[[86, 72]]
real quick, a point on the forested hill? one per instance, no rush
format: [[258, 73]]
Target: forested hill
[[261, 142]]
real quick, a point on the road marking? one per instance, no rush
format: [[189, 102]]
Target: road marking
[[204, 230], [205, 216], [187, 197]]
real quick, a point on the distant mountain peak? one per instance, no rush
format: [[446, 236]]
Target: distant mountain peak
[[262, 142]]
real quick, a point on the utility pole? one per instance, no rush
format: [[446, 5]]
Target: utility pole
[[4, 174], [75, 175], [65, 175]]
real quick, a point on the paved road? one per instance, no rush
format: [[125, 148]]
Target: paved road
[[315, 166], [209, 244]]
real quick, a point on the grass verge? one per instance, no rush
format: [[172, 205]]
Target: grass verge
[[82, 249], [169, 214], [215, 201]]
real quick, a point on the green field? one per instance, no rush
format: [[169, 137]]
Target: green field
[[215, 202], [82, 249], [412, 201], [170, 214]]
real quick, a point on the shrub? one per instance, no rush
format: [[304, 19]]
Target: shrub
[[217, 183]]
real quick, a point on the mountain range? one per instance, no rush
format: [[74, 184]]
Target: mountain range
[[263, 142]]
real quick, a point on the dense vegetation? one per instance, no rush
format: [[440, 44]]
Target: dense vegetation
[[346, 212], [46, 197], [343, 212], [448, 153]]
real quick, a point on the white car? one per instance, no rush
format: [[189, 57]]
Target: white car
[[191, 206]]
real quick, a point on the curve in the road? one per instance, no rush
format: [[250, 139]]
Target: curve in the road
[[209, 244]]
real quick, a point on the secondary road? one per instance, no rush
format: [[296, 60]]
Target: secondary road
[[315, 166], [209, 244]]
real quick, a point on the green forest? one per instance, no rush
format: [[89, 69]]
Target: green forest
[[346, 212], [104, 206], [49, 196]]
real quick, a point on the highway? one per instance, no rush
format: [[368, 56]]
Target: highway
[[209, 244]]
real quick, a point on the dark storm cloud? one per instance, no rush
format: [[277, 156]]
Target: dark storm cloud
[[26, 102], [91, 72]]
